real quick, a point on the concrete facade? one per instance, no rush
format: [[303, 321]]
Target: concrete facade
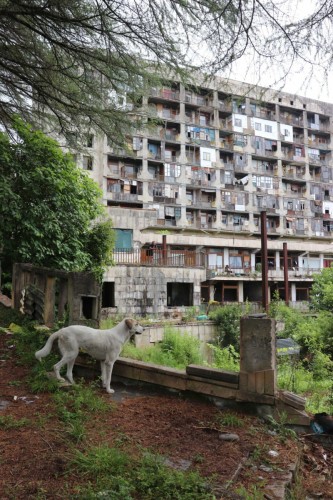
[[196, 180]]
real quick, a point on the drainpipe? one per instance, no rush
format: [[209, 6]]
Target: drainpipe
[[285, 274], [264, 261], [164, 249]]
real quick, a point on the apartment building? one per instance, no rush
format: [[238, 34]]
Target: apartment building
[[187, 194]]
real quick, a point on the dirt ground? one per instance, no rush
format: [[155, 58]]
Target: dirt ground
[[34, 457]]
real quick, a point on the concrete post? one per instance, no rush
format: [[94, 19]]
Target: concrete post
[[257, 357]]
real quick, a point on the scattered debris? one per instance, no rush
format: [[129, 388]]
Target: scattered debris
[[228, 437]]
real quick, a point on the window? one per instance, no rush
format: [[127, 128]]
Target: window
[[268, 128], [89, 140], [206, 156], [123, 238], [180, 294], [203, 120], [235, 262], [108, 298], [87, 162], [238, 122], [257, 126]]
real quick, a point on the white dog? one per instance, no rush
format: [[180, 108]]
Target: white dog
[[103, 345]]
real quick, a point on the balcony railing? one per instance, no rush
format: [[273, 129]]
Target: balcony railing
[[158, 257]]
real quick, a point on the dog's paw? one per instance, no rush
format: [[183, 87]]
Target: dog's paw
[[110, 391]]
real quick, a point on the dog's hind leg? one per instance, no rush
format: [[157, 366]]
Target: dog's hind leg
[[65, 360], [69, 373]]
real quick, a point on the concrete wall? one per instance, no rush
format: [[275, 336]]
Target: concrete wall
[[144, 292], [204, 331]]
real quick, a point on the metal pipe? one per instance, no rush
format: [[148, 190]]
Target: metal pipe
[[264, 261], [285, 274]]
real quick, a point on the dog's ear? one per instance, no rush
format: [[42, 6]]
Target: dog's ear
[[129, 323]]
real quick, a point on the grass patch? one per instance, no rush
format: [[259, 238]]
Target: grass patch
[[175, 350], [115, 474], [9, 422], [76, 406]]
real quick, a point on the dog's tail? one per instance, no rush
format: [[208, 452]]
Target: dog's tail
[[42, 353]]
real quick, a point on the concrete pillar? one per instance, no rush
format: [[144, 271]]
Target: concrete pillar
[[293, 292], [253, 262], [226, 257], [257, 377], [241, 291]]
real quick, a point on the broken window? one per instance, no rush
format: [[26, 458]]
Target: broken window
[[108, 298], [180, 294], [87, 162]]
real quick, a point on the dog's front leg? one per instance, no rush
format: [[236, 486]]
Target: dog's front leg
[[103, 373], [108, 375]]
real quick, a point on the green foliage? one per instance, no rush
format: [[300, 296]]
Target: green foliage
[[227, 319], [74, 407], [99, 246], [121, 476], [322, 290], [279, 425], [175, 350], [225, 358], [184, 348], [190, 314], [8, 316], [8, 422], [48, 205], [229, 420], [289, 316]]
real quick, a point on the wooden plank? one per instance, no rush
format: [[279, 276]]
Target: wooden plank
[[213, 373]]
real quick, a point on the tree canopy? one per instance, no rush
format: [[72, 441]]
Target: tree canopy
[[49, 207], [73, 57]]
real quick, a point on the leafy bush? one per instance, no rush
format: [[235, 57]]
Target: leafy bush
[[227, 319], [322, 290], [289, 316], [225, 358]]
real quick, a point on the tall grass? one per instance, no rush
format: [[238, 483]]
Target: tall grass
[[175, 350]]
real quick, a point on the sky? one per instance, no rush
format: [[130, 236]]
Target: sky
[[302, 78], [298, 81]]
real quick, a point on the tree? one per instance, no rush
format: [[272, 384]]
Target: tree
[[72, 58], [322, 290], [49, 207]]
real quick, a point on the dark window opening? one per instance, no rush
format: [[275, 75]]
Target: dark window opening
[[230, 294], [204, 294], [302, 294], [88, 307], [180, 294], [108, 294]]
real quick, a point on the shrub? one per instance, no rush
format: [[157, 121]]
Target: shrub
[[227, 319]]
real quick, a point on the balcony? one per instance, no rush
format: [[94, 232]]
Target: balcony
[[127, 197], [158, 257], [169, 94]]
